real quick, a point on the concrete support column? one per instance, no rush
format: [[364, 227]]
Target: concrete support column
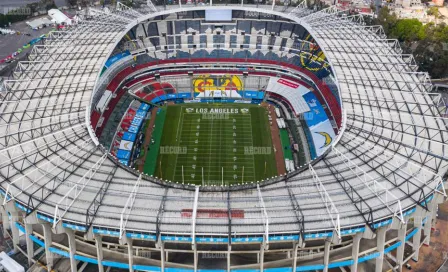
[[72, 247], [99, 252], [229, 248], [162, 256], [261, 257], [130, 255], [195, 252], [432, 206], [327, 254], [417, 237], [48, 242], [380, 241], [15, 231], [5, 220], [355, 251], [294, 257], [29, 243], [400, 250]]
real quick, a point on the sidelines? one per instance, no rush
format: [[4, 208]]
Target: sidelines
[[284, 137], [151, 156], [252, 144], [179, 128]]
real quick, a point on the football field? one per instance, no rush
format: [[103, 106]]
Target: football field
[[215, 144]]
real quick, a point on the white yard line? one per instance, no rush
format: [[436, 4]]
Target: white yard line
[[252, 144], [179, 128], [178, 123], [209, 153]]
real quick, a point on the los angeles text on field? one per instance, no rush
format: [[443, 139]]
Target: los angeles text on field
[[215, 144]]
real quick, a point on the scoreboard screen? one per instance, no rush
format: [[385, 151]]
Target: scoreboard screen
[[218, 15]]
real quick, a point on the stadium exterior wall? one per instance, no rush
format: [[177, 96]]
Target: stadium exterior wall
[[417, 232]]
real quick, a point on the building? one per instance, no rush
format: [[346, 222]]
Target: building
[[438, 3], [59, 18], [363, 200], [39, 23], [408, 3]]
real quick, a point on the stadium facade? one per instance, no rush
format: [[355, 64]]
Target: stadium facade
[[368, 199]]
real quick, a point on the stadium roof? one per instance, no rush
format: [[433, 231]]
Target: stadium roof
[[389, 157]]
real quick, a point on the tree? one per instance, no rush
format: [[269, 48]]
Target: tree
[[12, 17], [407, 30], [440, 33], [127, 3], [428, 43], [72, 2], [386, 19], [433, 11]]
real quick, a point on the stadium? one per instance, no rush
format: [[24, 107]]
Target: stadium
[[220, 136]]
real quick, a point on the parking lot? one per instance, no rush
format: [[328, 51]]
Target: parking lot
[[10, 43]]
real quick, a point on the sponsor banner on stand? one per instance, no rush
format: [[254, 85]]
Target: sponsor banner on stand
[[126, 145], [323, 136]]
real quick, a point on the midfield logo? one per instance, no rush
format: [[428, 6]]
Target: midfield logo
[[213, 110]]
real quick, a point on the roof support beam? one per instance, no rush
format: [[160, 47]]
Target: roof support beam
[[300, 10], [15, 137], [338, 21], [417, 172], [358, 201], [20, 88], [327, 13], [92, 210], [381, 192], [109, 16], [229, 215], [124, 216], [329, 205], [151, 5], [384, 103], [387, 118], [160, 211], [7, 154], [75, 192], [415, 147], [41, 194], [298, 212], [47, 167], [265, 217], [193, 216], [23, 105], [402, 182], [127, 10]]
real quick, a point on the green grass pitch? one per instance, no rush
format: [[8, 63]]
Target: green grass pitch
[[212, 144]]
